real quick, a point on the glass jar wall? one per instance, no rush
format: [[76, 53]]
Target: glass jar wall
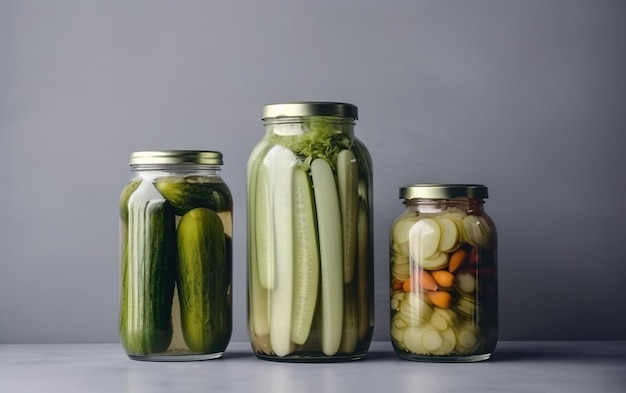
[[310, 268], [176, 257], [443, 270]]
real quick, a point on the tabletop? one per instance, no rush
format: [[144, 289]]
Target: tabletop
[[516, 366]]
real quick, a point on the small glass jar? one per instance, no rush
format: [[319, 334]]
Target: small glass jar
[[310, 266], [443, 271], [176, 257]]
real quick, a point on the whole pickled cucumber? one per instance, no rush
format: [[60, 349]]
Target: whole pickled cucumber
[[194, 191], [148, 273], [125, 196], [204, 281]]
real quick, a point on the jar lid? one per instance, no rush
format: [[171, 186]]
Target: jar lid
[[310, 108], [176, 157], [443, 191]]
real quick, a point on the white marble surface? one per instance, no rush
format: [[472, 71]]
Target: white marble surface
[[591, 366]]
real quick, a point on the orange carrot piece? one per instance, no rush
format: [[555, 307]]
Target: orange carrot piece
[[456, 259], [425, 280], [420, 279], [440, 299], [396, 284], [443, 278]]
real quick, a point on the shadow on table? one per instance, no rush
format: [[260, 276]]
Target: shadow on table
[[546, 352], [498, 356], [571, 352], [238, 355], [507, 352], [379, 355], [504, 355]]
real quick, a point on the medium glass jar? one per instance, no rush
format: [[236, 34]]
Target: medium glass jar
[[176, 257], [310, 268], [443, 259]]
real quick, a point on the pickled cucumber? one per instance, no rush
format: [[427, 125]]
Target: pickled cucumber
[[190, 192], [149, 253], [203, 281], [422, 325]]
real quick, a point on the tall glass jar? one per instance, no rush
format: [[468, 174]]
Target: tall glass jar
[[443, 259], [310, 289], [176, 257]]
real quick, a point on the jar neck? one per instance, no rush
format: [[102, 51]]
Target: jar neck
[[468, 205], [298, 126]]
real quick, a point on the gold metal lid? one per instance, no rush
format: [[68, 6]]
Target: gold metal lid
[[310, 108], [176, 157], [443, 191]]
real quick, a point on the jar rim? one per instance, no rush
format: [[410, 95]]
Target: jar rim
[[200, 157], [443, 191], [310, 108]]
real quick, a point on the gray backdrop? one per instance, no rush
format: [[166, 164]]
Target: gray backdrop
[[527, 97]]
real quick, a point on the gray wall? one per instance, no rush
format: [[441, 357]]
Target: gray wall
[[527, 97]]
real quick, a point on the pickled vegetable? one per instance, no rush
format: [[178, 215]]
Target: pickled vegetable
[[309, 243], [306, 259], [176, 292], [148, 252], [440, 304], [186, 193], [203, 282]]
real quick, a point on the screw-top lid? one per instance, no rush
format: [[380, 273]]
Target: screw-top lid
[[176, 157], [443, 191], [311, 108]]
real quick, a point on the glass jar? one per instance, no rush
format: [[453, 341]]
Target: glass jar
[[443, 264], [176, 257], [310, 267]]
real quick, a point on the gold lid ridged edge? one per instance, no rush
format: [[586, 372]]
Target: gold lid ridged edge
[[443, 191], [155, 157], [310, 108]]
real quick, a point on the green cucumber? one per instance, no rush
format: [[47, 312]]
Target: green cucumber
[[281, 163], [424, 238], [477, 231], [331, 254], [363, 263], [348, 181], [203, 281], [148, 273], [258, 311], [364, 239], [350, 333], [364, 159], [127, 191], [306, 258], [467, 341], [194, 191], [264, 232]]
